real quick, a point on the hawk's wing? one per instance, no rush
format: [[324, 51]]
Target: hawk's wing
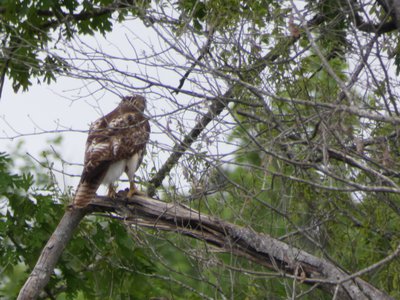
[[96, 162], [98, 152]]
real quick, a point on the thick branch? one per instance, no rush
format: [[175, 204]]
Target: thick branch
[[48, 259], [217, 106], [261, 248], [396, 12], [383, 27], [178, 150]]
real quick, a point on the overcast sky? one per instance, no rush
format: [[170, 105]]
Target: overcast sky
[[70, 105], [66, 107]]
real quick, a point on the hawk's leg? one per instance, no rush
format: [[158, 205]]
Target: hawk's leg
[[111, 191], [133, 190]]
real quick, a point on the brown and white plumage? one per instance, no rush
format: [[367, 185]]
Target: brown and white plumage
[[116, 144]]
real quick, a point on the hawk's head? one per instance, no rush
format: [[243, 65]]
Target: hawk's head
[[135, 102]]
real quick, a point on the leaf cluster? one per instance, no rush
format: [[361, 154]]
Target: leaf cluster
[[102, 255], [30, 28]]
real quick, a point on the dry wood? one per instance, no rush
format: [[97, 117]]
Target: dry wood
[[261, 248], [50, 255]]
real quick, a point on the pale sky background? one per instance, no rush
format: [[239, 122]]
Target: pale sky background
[[70, 105], [37, 116]]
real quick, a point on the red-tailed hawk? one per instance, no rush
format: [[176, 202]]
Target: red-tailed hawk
[[116, 143]]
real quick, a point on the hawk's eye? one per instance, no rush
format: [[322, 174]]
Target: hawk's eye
[[130, 118]]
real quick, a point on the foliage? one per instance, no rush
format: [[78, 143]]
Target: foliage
[[29, 28], [311, 114], [107, 257]]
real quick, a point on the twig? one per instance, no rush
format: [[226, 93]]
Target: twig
[[204, 50], [382, 262]]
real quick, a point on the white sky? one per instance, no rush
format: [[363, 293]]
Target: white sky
[[43, 109], [37, 116], [70, 105]]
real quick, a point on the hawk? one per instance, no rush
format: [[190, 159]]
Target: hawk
[[116, 143]]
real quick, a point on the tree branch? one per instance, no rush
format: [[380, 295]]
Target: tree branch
[[260, 248], [48, 259], [217, 106], [384, 26], [203, 51]]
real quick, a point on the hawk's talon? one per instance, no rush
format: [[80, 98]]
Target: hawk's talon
[[111, 191], [131, 193], [134, 191]]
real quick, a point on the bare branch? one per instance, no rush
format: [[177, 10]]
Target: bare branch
[[260, 248], [50, 255], [218, 104]]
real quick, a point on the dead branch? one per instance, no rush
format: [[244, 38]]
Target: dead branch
[[260, 248], [50, 255]]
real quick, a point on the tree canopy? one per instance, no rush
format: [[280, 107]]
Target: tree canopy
[[277, 120]]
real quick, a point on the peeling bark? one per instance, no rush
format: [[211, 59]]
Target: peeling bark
[[260, 248], [50, 255]]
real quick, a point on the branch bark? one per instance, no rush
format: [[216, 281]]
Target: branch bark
[[50, 255], [218, 105], [260, 248]]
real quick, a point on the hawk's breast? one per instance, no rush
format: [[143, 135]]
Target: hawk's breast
[[114, 171], [129, 165], [133, 164]]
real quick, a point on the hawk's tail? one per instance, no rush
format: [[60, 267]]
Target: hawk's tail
[[84, 194]]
